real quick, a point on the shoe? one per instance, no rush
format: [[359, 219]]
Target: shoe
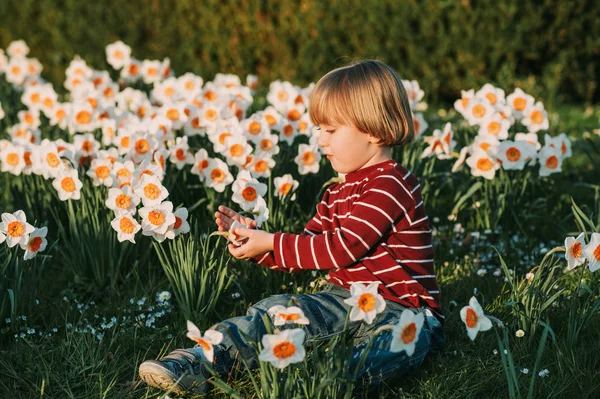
[[181, 371]]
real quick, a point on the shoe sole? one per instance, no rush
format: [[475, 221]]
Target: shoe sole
[[156, 375]]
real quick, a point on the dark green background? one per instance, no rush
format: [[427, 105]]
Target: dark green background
[[551, 49]]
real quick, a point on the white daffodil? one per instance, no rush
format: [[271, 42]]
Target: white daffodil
[[68, 185], [519, 101], [535, 118], [201, 162], [420, 125], [308, 159], [414, 92], [493, 94], [255, 128], [514, 154], [126, 227], [288, 132], [495, 125], [440, 144], [287, 315], [478, 111], [118, 54], [206, 342], [461, 104], [561, 142], [100, 172], [156, 221], [592, 252], [260, 166], [12, 158], [16, 229], [365, 301], [180, 153], [574, 251], [267, 146], [460, 162], [150, 190], [217, 175], [474, 318], [37, 242], [237, 150], [285, 185], [550, 160], [283, 348], [247, 190], [123, 173], [482, 164], [181, 225], [122, 200], [405, 333]]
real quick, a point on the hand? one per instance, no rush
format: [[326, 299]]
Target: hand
[[225, 217], [257, 243]]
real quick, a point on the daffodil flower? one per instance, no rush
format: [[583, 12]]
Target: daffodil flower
[[474, 318]]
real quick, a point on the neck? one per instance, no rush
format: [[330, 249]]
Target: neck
[[384, 154]]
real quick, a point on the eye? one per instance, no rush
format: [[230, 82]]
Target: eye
[[330, 131]]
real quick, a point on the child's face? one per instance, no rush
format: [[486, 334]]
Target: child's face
[[347, 148]]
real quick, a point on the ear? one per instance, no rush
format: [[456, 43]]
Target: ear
[[373, 139]]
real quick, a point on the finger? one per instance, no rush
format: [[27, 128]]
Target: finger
[[226, 211], [242, 231]]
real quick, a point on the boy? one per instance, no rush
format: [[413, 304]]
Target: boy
[[371, 228]]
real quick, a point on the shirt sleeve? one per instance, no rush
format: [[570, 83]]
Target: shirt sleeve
[[381, 205], [313, 227]]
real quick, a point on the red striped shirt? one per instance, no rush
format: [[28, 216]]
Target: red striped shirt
[[370, 228]]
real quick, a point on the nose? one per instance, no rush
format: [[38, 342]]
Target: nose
[[323, 139]]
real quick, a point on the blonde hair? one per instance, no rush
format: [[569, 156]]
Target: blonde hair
[[369, 94]]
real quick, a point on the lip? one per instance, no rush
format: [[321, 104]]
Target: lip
[[329, 156]]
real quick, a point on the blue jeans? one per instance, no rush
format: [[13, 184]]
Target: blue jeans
[[327, 312]]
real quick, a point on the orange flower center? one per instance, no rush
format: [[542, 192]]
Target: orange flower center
[[217, 175], [68, 184], [491, 98], [196, 123], [471, 318], [282, 96], [48, 103], [289, 316], [537, 117], [513, 154], [152, 71], [552, 162], [180, 154], [87, 146], [83, 117], [210, 114], [249, 194], [288, 130], [285, 188], [597, 253], [366, 302], [52, 160], [308, 158], [123, 172], [151, 191], [123, 201], [266, 145], [142, 146], [173, 114], [519, 103], [12, 159], [409, 333], [494, 128], [576, 250], [15, 229], [202, 165], [294, 115], [118, 54], [27, 158], [224, 136], [485, 146], [125, 141], [28, 119], [156, 218], [178, 222], [563, 148], [126, 225], [254, 128], [210, 95], [484, 164], [133, 69], [60, 114], [203, 344], [35, 244], [284, 350], [260, 166], [478, 111], [464, 102], [102, 172], [236, 150], [270, 120]]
